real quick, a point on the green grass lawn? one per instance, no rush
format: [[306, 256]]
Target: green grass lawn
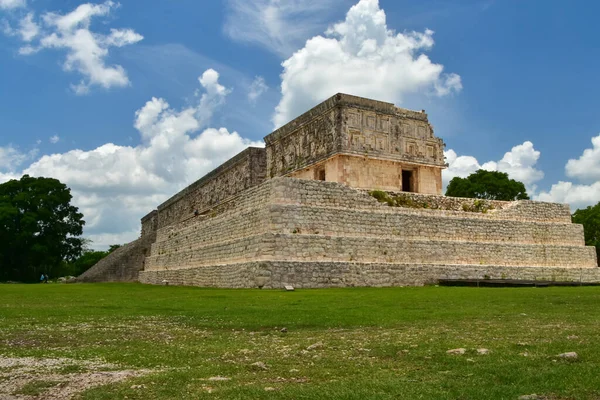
[[354, 343]]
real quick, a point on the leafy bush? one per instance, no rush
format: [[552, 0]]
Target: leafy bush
[[490, 185]]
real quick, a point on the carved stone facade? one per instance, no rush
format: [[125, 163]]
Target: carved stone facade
[[361, 143], [252, 223]]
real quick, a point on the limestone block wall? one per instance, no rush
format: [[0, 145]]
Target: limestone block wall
[[315, 234], [372, 173], [430, 180], [316, 247], [425, 225], [231, 232], [150, 223], [245, 170], [330, 274]]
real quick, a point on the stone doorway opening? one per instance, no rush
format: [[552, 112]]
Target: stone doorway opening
[[407, 181], [320, 174]]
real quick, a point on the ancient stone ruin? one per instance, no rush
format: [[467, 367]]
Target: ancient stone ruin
[[347, 194]]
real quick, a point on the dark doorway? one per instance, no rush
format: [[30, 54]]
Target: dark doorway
[[407, 181], [321, 174]]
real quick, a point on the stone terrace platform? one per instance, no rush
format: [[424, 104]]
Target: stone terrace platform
[[312, 234]]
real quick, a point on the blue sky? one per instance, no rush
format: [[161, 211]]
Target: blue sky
[[108, 98]]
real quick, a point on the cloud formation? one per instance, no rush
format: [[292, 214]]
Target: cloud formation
[[519, 163], [280, 26], [257, 88], [576, 195], [114, 186], [86, 50], [12, 4], [586, 172], [10, 158], [28, 29], [587, 167], [361, 56]]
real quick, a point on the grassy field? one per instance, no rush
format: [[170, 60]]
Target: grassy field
[[117, 341]]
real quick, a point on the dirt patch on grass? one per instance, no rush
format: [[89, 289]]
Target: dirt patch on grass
[[56, 378]]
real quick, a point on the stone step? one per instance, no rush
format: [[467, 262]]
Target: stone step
[[349, 222], [277, 274], [294, 247]]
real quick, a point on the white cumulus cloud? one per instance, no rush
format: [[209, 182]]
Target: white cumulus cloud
[[86, 50], [12, 4], [586, 172], [361, 56], [214, 95], [257, 88], [28, 29], [461, 166], [576, 195], [587, 167], [114, 186], [54, 139], [519, 163]]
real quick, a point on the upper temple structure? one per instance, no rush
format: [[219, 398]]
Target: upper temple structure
[[347, 194], [361, 143]]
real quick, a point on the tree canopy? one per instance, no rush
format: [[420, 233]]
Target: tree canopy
[[590, 219], [88, 259], [490, 185], [39, 228]]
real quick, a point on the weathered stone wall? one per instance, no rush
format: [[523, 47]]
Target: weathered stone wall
[[361, 143], [269, 274], [343, 235], [187, 253], [330, 194], [384, 131], [420, 226], [357, 172], [522, 210], [231, 231], [317, 247], [245, 170], [372, 173], [429, 180], [317, 139], [150, 223], [123, 264]]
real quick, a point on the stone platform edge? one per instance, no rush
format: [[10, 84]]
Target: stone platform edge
[[277, 274]]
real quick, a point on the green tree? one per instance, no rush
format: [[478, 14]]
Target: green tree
[[590, 219], [39, 228], [490, 185], [113, 247], [87, 260]]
